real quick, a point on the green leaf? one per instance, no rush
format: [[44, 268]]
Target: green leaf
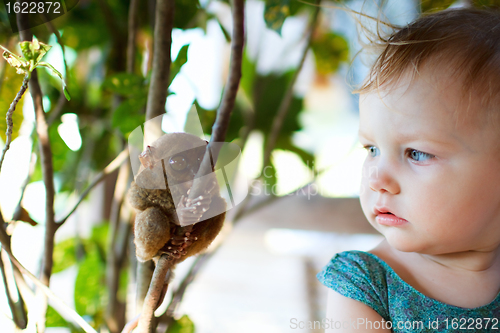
[[90, 287], [187, 10], [268, 92], [270, 178], [226, 33], [126, 84], [285, 143], [54, 319], [435, 5], [64, 255], [99, 236], [10, 87], [56, 72], [127, 116], [20, 64], [330, 49], [34, 50], [206, 117], [248, 73], [181, 59], [66, 93], [275, 13], [49, 66], [182, 325], [123, 285], [65, 161]]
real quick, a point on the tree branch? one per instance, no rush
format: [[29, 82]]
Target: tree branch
[[69, 313], [154, 295], [19, 208], [164, 22], [132, 31], [211, 153], [219, 129], [8, 117], [47, 170], [114, 260], [16, 307], [157, 96]]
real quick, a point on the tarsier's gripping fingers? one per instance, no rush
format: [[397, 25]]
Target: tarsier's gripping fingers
[[190, 211], [183, 241], [177, 245], [152, 231]]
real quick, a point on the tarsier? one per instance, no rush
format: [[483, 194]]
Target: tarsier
[[174, 160]]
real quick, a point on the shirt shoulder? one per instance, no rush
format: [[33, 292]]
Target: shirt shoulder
[[360, 276]]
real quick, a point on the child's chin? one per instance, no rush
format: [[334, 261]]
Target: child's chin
[[403, 244]]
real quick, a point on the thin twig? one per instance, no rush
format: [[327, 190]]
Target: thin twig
[[157, 96], [131, 324], [154, 294], [112, 166], [160, 77], [58, 303], [218, 135], [132, 31], [31, 169], [70, 313], [48, 180], [42, 131], [219, 129], [287, 99], [115, 256], [8, 117], [16, 307]]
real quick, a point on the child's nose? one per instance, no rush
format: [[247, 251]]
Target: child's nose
[[382, 179]]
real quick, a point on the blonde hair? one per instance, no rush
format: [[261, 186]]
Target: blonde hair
[[466, 39]]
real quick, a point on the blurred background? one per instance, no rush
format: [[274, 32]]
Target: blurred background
[[303, 205]]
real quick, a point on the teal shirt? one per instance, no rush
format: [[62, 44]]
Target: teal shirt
[[366, 278]]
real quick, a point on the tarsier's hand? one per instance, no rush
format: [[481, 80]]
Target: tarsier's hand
[[190, 211], [158, 217]]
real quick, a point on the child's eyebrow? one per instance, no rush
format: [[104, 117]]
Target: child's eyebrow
[[419, 136], [411, 137]]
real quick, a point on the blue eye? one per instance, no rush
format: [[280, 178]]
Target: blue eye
[[372, 150], [419, 156]]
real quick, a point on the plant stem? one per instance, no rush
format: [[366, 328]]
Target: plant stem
[[219, 129], [16, 307], [157, 96], [160, 77], [8, 117], [119, 220], [146, 321]]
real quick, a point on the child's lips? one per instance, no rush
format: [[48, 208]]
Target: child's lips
[[385, 217]]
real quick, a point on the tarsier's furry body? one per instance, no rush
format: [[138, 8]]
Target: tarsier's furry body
[[178, 157]]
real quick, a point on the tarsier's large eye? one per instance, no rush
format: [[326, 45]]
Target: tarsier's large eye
[[178, 163]]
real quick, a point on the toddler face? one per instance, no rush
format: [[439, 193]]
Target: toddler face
[[431, 181]]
